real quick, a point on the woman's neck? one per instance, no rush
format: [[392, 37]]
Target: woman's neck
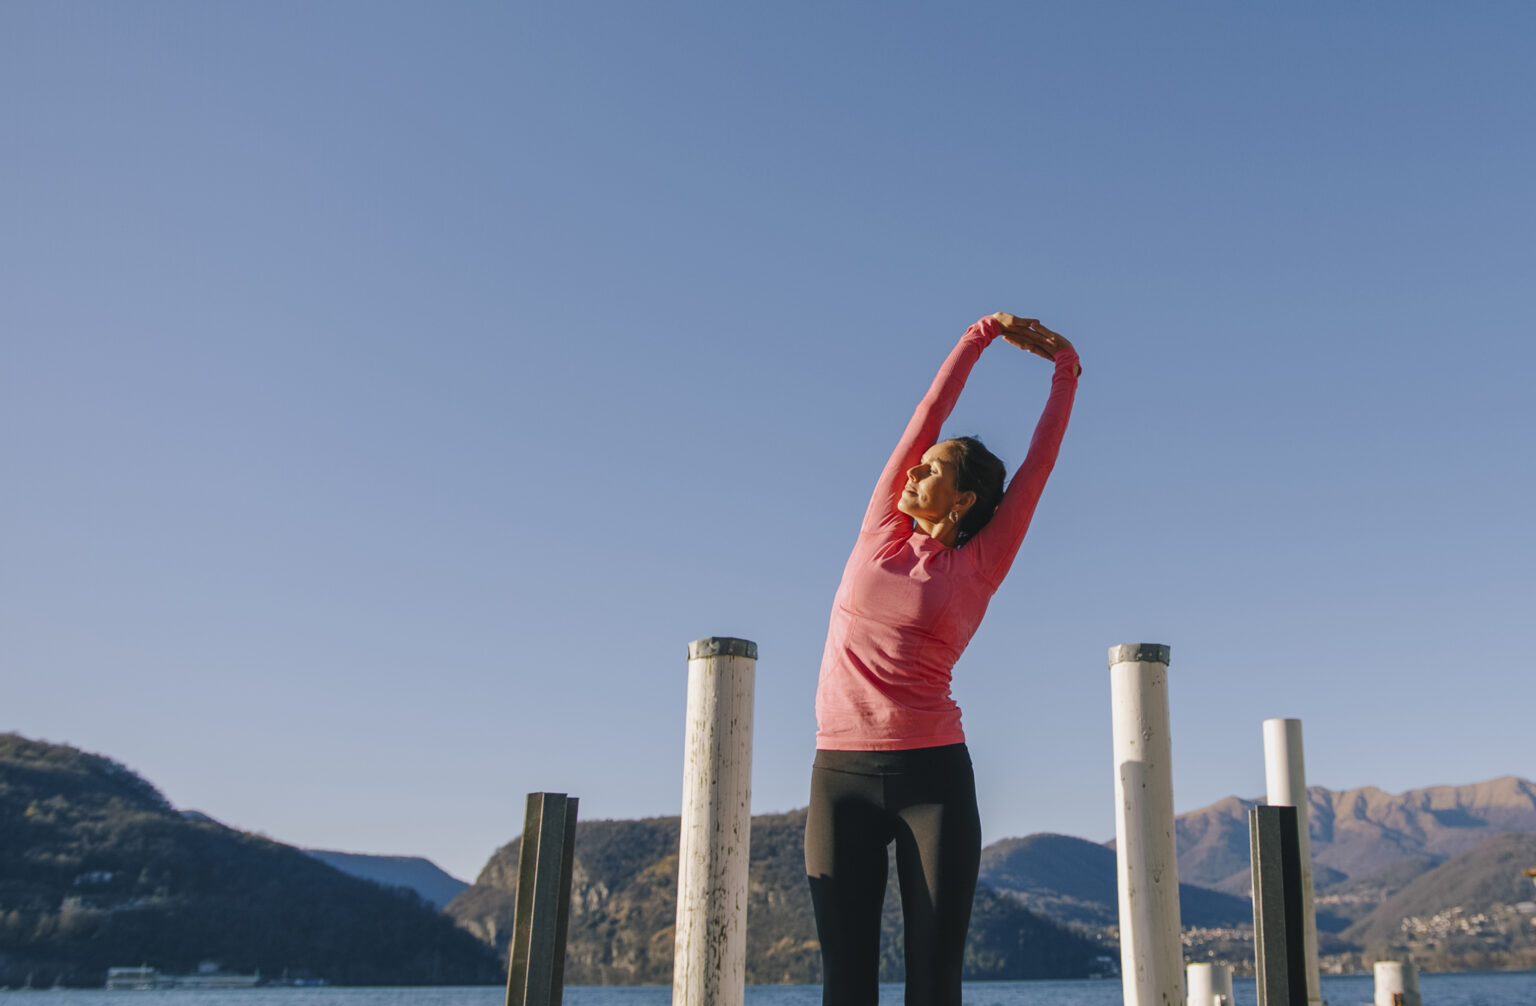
[[943, 531]]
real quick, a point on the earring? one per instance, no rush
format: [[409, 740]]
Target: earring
[[954, 518]]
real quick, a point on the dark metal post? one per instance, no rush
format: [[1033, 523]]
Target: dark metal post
[[1285, 775], [536, 964], [1280, 957]]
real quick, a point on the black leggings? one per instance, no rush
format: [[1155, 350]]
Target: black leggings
[[925, 801]]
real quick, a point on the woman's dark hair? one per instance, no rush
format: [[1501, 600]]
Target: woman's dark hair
[[979, 471]]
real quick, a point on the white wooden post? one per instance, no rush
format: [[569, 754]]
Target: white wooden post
[[1151, 961], [1397, 984], [1285, 775], [710, 954]]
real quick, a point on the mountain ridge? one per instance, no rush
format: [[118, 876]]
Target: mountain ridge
[[430, 882], [1359, 831]]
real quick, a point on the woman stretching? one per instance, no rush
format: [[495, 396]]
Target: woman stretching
[[891, 763]]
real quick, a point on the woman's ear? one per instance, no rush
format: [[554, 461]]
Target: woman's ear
[[964, 502]]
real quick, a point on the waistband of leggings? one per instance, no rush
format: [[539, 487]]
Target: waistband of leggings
[[909, 762]]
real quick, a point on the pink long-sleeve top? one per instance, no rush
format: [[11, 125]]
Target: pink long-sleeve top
[[908, 604]]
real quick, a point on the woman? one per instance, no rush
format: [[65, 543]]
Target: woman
[[891, 763]]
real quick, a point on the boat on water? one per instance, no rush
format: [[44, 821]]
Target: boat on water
[[210, 975], [132, 979]]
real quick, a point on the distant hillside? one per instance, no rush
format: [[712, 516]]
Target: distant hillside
[[1073, 880], [430, 882], [1461, 911], [1360, 833], [624, 907], [97, 870], [1353, 898]]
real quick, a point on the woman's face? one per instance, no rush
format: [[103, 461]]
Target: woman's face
[[931, 491]]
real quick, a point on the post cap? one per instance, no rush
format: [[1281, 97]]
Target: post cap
[[722, 646], [1138, 653]]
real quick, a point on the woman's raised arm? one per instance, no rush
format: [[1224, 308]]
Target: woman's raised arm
[[995, 546], [923, 429]]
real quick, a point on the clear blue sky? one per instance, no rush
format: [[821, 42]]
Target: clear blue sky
[[391, 391]]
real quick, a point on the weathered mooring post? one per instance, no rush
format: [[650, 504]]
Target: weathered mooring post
[[1397, 984], [1151, 961], [1285, 776], [709, 963], [536, 962], [1209, 984], [1280, 965]]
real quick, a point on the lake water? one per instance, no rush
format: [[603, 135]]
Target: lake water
[[1502, 988]]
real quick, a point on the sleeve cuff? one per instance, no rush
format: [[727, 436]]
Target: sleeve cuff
[[989, 328]]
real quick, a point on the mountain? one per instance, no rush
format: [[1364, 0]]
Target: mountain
[[426, 878], [624, 907], [1074, 880], [97, 870], [1368, 848]]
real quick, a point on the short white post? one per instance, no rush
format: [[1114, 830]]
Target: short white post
[[1210, 984], [1200, 981], [1397, 984], [710, 954], [1151, 960], [1285, 776]]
